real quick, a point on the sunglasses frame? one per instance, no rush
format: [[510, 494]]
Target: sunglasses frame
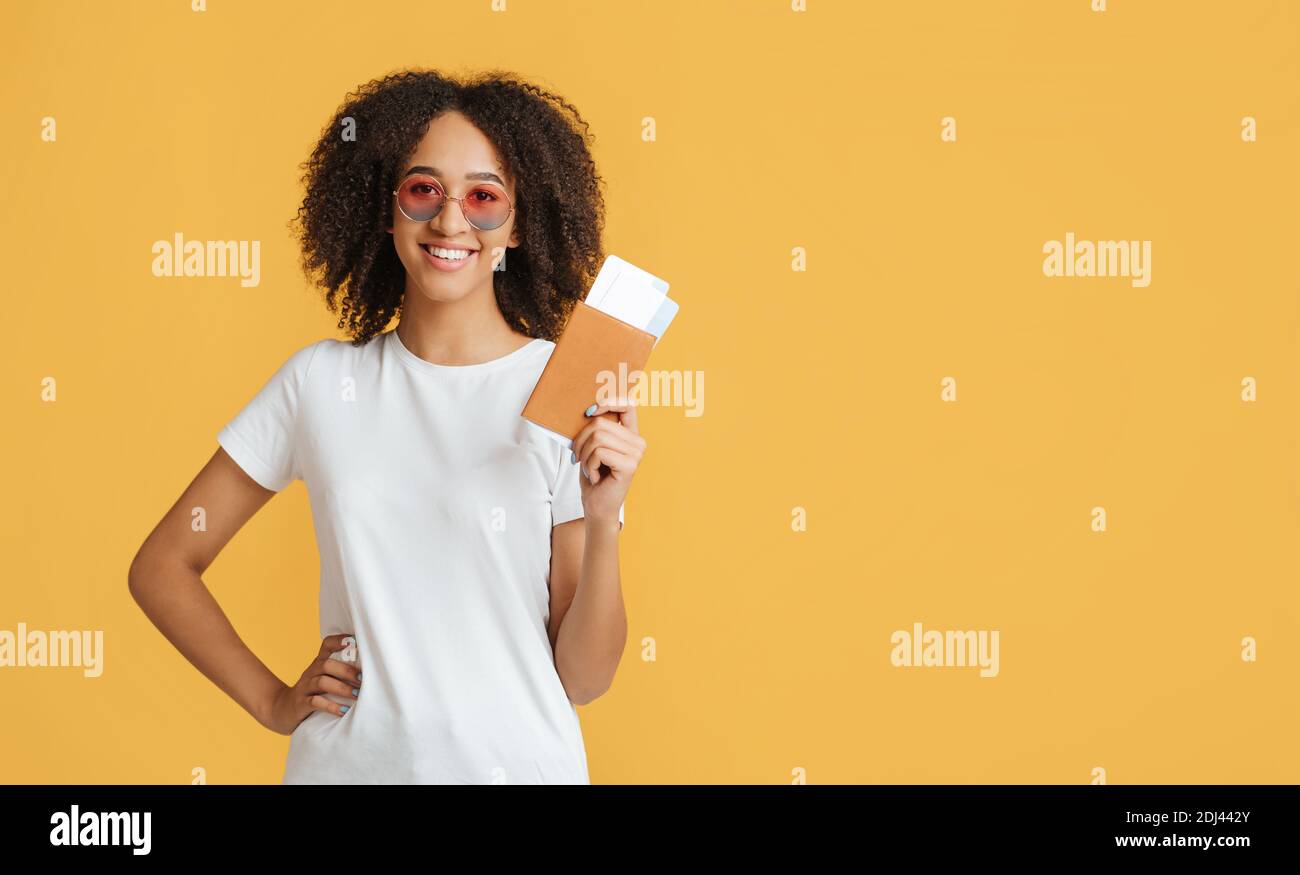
[[446, 197]]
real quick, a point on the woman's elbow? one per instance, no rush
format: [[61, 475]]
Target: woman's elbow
[[141, 574], [586, 697], [590, 688], [136, 576]]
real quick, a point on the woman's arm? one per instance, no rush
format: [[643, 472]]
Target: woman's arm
[[165, 579], [588, 625], [588, 622]]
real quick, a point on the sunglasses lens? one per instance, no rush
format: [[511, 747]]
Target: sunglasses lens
[[420, 198], [486, 207]]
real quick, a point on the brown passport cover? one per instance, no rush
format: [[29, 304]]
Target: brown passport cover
[[592, 341]]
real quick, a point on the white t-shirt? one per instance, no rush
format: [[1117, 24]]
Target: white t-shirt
[[433, 501]]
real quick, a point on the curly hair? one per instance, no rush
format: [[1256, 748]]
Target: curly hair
[[542, 141]]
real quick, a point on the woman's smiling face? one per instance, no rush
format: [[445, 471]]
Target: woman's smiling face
[[461, 157]]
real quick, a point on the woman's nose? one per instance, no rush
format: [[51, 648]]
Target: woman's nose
[[451, 218]]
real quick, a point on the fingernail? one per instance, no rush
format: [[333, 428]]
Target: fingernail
[[575, 457], [347, 708], [355, 691], [358, 675], [591, 410]]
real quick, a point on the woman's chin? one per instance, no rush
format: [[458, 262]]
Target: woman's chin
[[443, 288]]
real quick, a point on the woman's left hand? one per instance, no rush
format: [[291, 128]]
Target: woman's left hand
[[609, 453]]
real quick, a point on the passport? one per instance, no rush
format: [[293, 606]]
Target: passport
[[609, 334]]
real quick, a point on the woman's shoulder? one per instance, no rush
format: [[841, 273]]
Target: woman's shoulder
[[330, 352], [528, 346], [333, 347], [541, 349]]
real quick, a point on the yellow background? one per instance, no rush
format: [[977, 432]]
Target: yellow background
[[776, 129]]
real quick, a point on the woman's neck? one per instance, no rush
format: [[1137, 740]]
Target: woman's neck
[[467, 331]]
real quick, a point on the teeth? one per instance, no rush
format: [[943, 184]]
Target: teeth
[[448, 254]]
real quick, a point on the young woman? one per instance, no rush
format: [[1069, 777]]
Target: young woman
[[473, 560]]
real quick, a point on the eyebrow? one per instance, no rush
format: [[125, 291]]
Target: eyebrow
[[482, 174]]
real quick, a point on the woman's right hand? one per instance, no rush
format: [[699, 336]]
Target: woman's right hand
[[294, 704]]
